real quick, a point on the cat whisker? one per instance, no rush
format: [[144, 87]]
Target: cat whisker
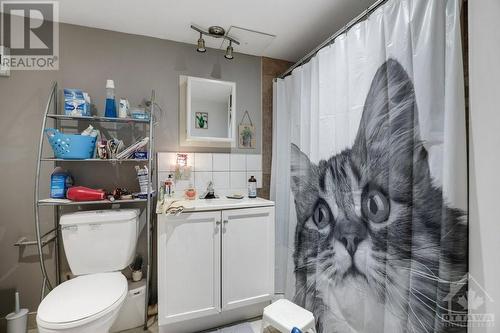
[[433, 310], [433, 277], [435, 302], [412, 310]]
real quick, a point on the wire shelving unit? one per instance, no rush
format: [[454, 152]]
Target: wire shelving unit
[[53, 235]]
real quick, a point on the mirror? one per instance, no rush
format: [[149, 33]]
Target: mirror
[[210, 106]]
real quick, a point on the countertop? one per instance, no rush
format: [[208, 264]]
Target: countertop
[[199, 205]]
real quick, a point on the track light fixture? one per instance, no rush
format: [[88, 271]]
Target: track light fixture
[[229, 51], [201, 44], [215, 32]]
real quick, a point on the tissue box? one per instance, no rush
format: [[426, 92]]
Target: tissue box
[[76, 103]]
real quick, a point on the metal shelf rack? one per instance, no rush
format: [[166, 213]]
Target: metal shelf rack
[[53, 235]]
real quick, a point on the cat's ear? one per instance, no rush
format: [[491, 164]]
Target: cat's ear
[[388, 144], [304, 180]]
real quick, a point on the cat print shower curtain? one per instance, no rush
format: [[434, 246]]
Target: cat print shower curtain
[[370, 178]]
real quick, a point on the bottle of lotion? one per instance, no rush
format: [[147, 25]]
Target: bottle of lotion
[[252, 187]]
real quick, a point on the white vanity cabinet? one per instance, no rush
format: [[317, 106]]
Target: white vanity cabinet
[[214, 267]]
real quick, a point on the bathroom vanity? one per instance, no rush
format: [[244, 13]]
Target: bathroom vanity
[[215, 264]]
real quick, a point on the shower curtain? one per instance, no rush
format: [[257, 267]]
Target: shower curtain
[[370, 176]]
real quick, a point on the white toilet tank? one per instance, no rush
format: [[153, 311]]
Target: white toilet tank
[[101, 240]]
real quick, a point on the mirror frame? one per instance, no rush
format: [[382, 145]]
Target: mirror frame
[[232, 124]]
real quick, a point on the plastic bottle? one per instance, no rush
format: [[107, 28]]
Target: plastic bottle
[[252, 187], [169, 186], [60, 181], [110, 99]]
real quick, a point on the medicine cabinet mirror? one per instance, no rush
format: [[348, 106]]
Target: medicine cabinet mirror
[[209, 115]]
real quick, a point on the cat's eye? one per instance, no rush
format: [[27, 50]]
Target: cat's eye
[[322, 215], [376, 206]]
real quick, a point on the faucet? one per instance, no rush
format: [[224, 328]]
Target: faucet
[[210, 192]]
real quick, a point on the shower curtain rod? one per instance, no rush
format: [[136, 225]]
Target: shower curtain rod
[[332, 38]]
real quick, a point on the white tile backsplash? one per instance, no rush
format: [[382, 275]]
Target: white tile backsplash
[[222, 180], [238, 179], [201, 179], [229, 172], [238, 162], [163, 175], [254, 162], [202, 162], [221, 162]]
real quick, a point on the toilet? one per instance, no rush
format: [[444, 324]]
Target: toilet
[[98, 245]]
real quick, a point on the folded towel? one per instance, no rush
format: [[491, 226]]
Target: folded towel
[[172, 206]]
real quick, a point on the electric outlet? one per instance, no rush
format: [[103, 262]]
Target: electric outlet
[[4, 56]]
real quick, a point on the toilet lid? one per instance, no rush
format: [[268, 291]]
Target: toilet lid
[[82, 297]]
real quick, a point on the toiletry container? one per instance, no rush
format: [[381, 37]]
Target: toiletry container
[[110, 110], [252, 187], [60, 181], [124, 107]]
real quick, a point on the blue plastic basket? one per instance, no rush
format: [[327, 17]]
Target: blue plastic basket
[[71, 146]]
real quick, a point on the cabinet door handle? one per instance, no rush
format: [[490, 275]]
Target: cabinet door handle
[[217, 222], [226, 221]]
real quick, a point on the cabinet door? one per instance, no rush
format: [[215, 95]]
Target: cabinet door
[[247, 256], [189, 266]]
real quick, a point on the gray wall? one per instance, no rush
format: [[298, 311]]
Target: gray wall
[[89, 57], [484, 159]]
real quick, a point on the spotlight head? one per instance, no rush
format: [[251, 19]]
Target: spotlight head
[[229, 51], [201, 44]]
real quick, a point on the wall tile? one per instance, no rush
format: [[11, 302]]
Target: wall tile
[[222, 180], [202, 162], [181, 186], [242, 191], [201, 180], [173, 159], [238, 162], [221, 162], [238, 179], [163, 175]]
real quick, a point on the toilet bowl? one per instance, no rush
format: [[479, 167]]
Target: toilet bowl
[[85, 304], [98, 245]]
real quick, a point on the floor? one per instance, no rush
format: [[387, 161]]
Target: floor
[[248, 327]]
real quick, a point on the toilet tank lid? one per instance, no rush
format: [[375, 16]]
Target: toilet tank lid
[[99, 216]]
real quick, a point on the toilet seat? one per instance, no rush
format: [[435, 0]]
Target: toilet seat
[[82, 300]]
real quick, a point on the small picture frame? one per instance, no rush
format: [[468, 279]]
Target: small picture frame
[[201, 120], [246, 136]]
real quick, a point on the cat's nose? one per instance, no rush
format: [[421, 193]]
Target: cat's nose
[[350, 233], [351, 243]]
